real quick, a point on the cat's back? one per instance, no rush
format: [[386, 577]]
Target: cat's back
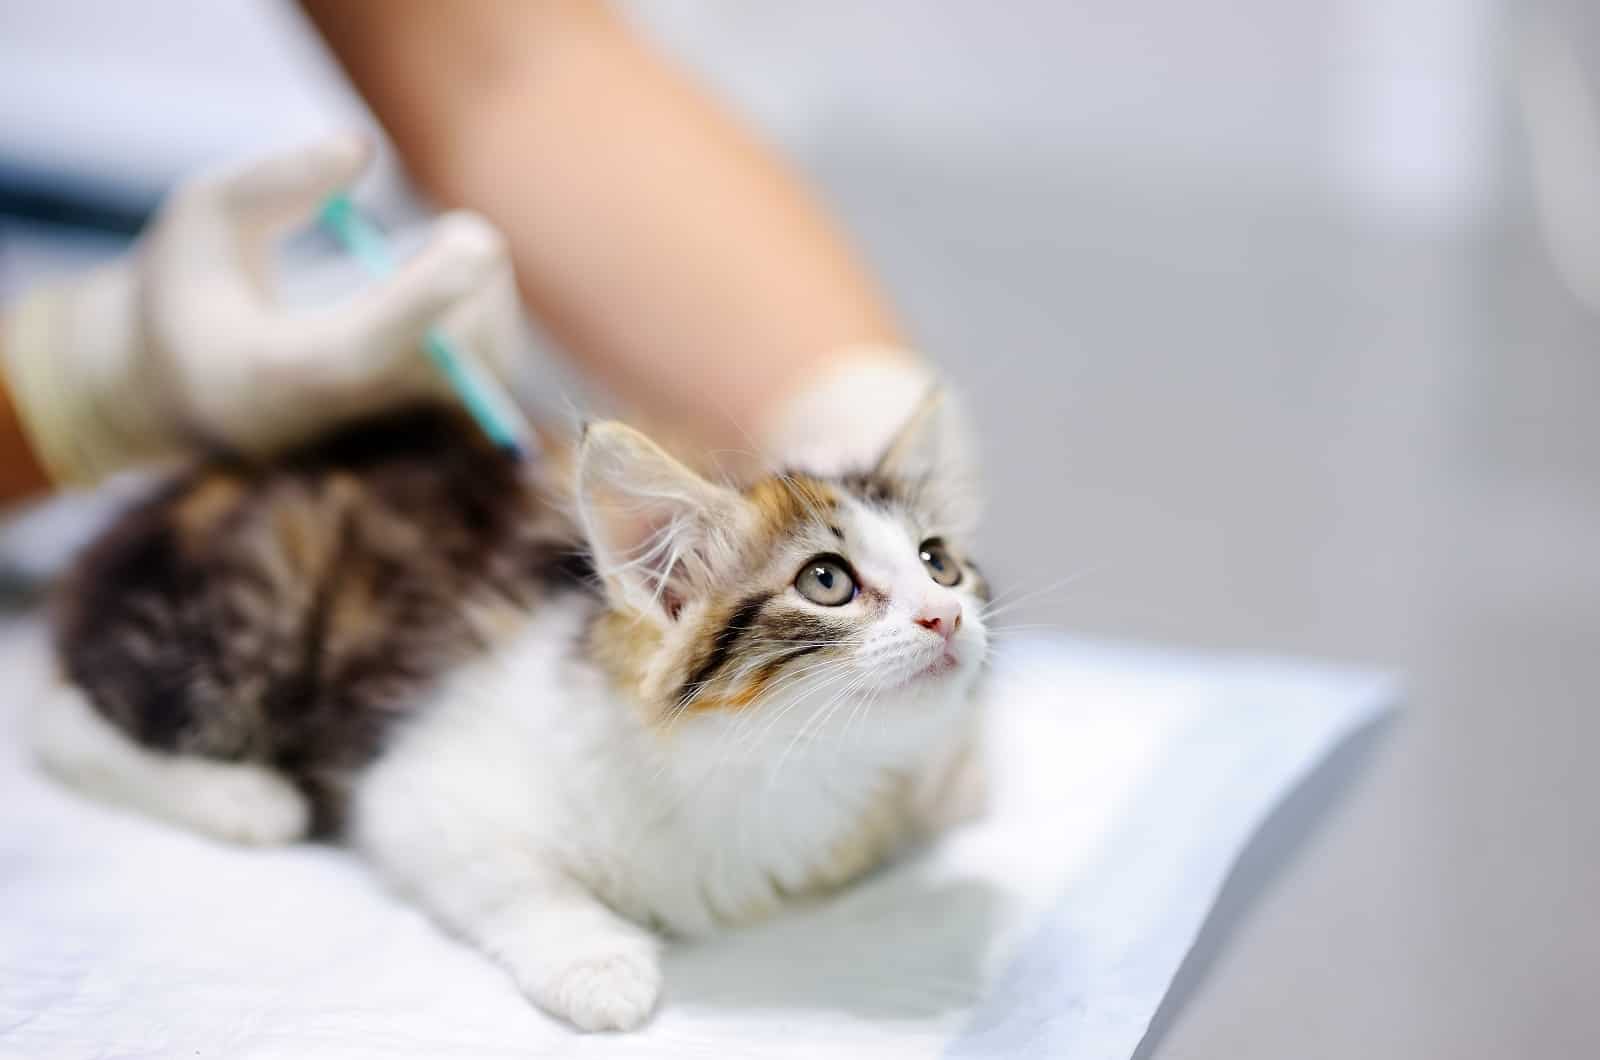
[[289, 613]]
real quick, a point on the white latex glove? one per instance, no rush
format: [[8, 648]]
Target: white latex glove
[[181, 341], [846, 417], [872, 408]]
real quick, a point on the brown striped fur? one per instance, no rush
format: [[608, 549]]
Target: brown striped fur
[[289, 614]]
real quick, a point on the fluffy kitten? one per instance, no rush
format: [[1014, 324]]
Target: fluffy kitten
[[558, 707]]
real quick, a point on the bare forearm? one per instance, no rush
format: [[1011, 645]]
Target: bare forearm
[[676, 259]]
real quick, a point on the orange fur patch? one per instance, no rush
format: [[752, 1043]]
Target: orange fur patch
[[206, 504], [784, 502], [622, 645]]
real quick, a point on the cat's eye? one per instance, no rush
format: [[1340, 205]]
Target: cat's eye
[[942, 567], [826, 580]]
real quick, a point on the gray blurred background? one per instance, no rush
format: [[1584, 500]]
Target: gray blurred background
[[1273, 315]]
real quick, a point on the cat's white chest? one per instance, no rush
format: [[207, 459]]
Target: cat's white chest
[[742, 840], [693, 828]]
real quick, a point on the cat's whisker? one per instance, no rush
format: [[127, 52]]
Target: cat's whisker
[[856, 699], [1001, 604], [866, 711], [829, 682], [806, 731], [806, 696], [841, 678], [1009, 630], [828, 707], [746, 719], [862, 708]]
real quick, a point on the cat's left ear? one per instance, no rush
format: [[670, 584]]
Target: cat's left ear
[[660, 533], [934, 453]]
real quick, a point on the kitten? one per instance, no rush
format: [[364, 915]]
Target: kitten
[[562, 707]]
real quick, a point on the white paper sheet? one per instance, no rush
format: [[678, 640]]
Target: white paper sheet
[[1127, 781]]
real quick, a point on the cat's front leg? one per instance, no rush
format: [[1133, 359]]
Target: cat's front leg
[[573, 956], [568, 951]]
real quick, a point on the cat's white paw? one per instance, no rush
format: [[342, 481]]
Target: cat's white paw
[[615, 992], [240, 803]]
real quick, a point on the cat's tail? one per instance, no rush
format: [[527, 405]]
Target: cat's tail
[[235, 801]]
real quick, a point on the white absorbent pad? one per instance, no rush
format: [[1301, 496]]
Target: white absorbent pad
[[1125, 783]]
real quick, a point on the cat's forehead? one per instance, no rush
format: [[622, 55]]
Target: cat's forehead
[[823, 514]]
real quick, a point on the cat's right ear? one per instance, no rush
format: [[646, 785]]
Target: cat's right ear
[[934, 449], [660, 533]]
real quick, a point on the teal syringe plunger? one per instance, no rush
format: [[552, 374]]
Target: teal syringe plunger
[[485, 399]]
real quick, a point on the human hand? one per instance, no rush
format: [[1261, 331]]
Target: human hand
[[845, 417], [182, 339]]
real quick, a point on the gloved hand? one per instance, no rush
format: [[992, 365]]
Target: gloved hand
[[872, 408], [845, 417], [181, 340]]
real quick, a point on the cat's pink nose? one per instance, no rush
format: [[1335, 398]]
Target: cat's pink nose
[[940, 616]]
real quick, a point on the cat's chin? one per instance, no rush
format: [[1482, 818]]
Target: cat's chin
[[944, 664], [946, 667]]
